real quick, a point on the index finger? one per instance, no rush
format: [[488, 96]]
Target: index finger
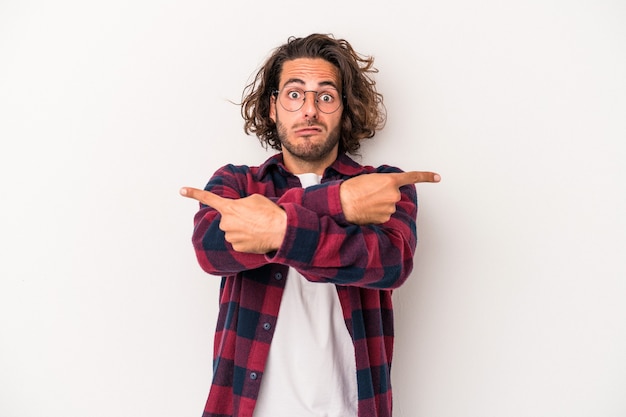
[[203, 196], [413, 177]]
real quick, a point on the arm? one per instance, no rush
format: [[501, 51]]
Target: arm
[[332, 247], [360, 231]]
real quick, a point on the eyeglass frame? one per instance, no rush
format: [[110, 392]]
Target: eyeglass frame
[[276, 93]]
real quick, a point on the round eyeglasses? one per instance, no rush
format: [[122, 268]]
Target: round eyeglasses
[[292, 99]]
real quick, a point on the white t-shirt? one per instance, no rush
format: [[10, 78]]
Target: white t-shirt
[[311, 369]]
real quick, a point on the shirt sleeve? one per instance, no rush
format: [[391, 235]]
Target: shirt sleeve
[[324, 247], [215, 255]]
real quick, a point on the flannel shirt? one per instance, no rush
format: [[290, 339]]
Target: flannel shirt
[[364, 262]]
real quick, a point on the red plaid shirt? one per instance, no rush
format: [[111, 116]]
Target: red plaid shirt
[[364, 262]]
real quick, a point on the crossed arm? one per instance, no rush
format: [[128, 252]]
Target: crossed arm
[[255, 224]]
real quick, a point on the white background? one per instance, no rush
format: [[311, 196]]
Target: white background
[[517, 305]]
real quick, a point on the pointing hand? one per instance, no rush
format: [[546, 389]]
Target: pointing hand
[[252, 224], [372, 198]]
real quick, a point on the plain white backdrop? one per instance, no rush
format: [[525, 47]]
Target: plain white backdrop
[[516, 304]]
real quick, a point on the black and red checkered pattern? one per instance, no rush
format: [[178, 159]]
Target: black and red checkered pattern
[[365, 262]]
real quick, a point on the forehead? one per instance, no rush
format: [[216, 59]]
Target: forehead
[[310, 71]]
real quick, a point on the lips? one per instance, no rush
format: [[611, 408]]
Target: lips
[[308, 130]]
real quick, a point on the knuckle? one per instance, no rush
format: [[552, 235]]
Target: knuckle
[[397, 195]]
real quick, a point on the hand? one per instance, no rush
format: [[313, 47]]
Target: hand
[[252, 224], [372, 198]]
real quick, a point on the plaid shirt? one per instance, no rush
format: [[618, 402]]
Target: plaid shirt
[[365, 262]]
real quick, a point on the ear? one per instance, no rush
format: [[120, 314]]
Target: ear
[[273, 108]]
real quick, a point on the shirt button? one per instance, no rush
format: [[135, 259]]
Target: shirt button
[[267, 326], [278, 276], [253, 375]]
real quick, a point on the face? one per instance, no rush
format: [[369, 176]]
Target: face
[[309, 137]]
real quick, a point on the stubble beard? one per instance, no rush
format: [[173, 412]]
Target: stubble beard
[[305, 150]]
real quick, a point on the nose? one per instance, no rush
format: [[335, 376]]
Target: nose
[[310, 104]]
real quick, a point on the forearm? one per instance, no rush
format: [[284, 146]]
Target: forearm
[[215, 255], [326, 249]]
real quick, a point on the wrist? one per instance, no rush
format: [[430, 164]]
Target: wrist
[[347, 203], [279, 227]]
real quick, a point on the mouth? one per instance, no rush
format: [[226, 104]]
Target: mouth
[[307, 131]]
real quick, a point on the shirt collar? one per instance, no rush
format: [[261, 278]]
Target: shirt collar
[[343, 165]]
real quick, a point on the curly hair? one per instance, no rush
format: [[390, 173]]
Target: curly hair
[[364, 111]]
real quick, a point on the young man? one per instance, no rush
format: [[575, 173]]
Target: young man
[[309, 245]]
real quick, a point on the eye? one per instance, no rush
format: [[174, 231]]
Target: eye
[[327, 96], [294, 94]]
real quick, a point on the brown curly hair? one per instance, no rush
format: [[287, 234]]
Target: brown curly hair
[[364, 111]]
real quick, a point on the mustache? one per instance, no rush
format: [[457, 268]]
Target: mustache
[[309, 123]]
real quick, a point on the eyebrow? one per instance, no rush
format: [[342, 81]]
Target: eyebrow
[[321, 84]]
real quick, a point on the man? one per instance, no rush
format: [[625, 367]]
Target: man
[[309, 245]]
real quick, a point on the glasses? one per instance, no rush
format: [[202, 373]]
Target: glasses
[[292, 99]]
